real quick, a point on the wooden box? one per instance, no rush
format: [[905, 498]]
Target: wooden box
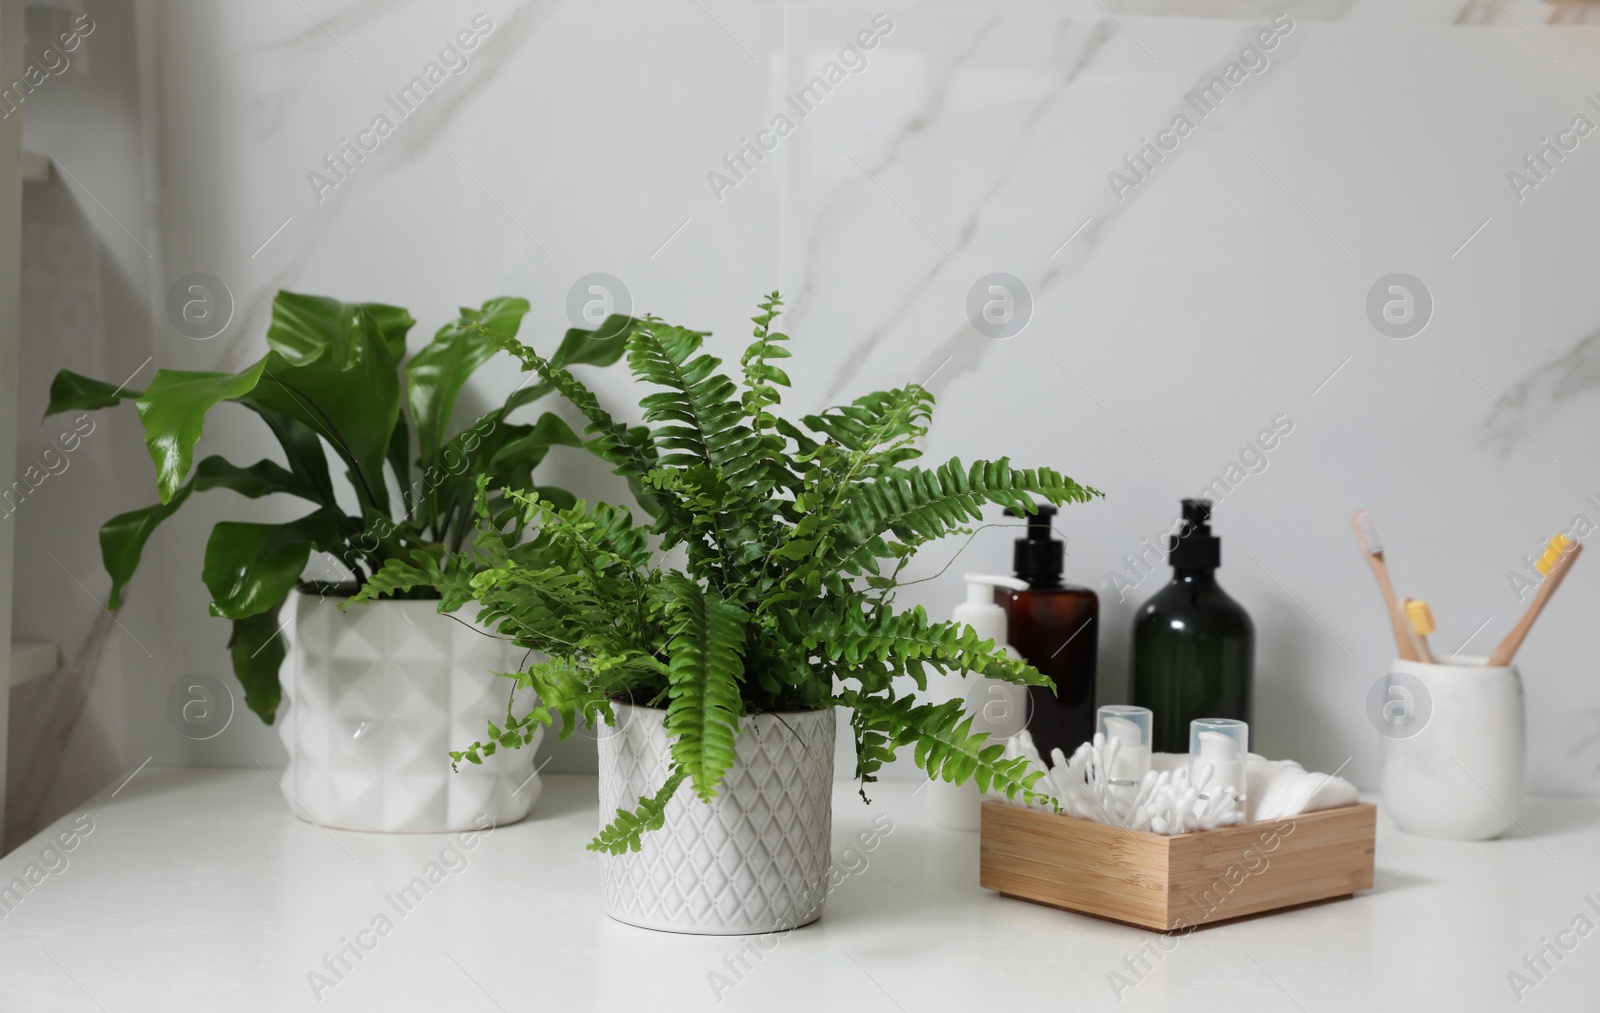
[[1175, 883]]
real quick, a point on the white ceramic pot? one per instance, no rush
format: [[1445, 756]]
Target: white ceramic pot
[[1461, 776], [374, 698], [754, 860]]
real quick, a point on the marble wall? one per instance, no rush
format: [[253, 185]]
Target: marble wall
[[1175, 311]]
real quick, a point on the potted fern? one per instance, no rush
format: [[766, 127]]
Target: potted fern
[[369, 698], [719, 677]]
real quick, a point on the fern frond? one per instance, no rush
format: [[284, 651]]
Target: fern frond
[[946, 746], [626, 828], [919, 505], [397, 576], [705, 662], [870, 436], [600, 539], [436, 569], [701, 431], [885, 418], [874, 748], [545, 676], [629, 450], [698, 417], [577, 692], [761, 378], [911, 642]]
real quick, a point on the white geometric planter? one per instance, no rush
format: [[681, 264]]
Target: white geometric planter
[[375, 697], [754, 860]]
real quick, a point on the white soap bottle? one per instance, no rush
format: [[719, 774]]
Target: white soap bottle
[[999, 708]]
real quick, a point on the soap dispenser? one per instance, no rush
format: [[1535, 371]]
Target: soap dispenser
[[999, 708], [1054, 627], [1193, 646]]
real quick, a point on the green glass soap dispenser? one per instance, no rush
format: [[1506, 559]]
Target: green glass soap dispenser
[[1193, 646]]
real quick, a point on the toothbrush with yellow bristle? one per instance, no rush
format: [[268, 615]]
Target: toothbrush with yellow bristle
[[1558, 558], [1421, 617]]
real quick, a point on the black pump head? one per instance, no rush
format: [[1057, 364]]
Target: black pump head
[[1039, 557], [1196, 548]]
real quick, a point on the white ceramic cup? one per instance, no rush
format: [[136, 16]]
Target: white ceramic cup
[[1461, 776]]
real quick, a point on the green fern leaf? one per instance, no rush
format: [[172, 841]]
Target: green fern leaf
[[893, 418], [908, 639], [945, 745], [874, 748], [698, 419], [761, 378], [705, 666], [919, 505], [629, 450], [397, 576], [624, 833]]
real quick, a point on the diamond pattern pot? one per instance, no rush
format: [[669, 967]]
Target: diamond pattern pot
[[752, 861], [374, 698]]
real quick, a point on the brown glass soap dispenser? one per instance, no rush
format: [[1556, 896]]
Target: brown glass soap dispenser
[[1053, 625]]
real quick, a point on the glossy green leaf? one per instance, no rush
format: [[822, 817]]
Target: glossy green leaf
[[70, 391], [302, 448], [559, 497], [260, 479], [599, 347], [123, 537], [399, 457], [481, 449], [530, 445], [250, 567], [436, 374], [355, 409], [333, 367], [173, 411], [306, 328], [393, 323], [526, 395], [258, 650]]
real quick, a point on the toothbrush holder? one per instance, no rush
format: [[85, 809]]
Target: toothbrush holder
[[1460, 775]]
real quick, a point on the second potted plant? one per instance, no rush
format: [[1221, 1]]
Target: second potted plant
[[719, 677], [370, 697]]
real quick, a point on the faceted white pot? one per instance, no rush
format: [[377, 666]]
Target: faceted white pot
[[753, 861], [374, 698]]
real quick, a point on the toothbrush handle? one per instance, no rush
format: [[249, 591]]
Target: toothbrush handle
[[1508, 647], [1402, 629]]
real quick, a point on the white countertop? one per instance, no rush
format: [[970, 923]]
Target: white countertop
[[196, 890]]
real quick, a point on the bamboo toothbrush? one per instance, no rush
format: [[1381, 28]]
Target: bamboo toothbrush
[[1367, 531], [1421, 617], [1558, 558]]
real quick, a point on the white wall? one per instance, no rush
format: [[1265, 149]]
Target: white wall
[[1217, 295]]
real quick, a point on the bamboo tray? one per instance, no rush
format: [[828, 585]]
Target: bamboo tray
[[1175, 883]]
